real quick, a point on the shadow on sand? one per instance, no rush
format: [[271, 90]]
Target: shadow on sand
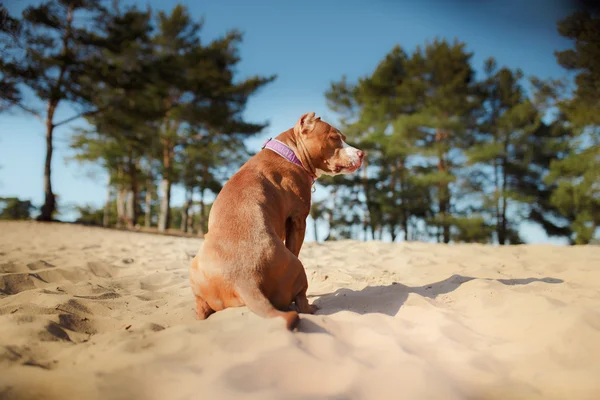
[[389, 299]]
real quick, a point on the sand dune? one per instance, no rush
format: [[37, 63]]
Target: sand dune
[[101, 314]]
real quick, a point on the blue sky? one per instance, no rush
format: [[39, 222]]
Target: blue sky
[[307, 44]]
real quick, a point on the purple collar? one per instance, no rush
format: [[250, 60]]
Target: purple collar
[[285, 152]]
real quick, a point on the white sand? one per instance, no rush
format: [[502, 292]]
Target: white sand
[[90, 313]]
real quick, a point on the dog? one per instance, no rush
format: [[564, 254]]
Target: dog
[[256, 225]]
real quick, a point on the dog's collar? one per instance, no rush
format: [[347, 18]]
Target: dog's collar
[[285, 152]]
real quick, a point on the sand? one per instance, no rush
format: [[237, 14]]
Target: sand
[[90, 313]]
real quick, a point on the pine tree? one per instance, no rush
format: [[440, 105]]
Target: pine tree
[[370, 109], [13, 208], [441, 90], [55, 67], [124, 128], [577, 176], [546, 144], [197, 85], [164, 99], [501, 145], [9, 34], [207, 160], [412, 116]]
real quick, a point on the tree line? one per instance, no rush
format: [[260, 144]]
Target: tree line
[[162, 106], [457, 157], [452, 156]]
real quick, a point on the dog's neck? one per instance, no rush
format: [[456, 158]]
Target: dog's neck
[[296, 144]]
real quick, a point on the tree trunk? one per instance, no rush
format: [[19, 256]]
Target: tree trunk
[[405, 212], [130, 208], [49, 206], [164, 217], [502, 234], [106, 216], [443, 190], [202, 221], [393, 232], [190, 223], [369, 221], [444, 208], [132, 194], [148, 204], [121, 217], [405, 224], [330, 214], [397, 178], [365, 182], [184, 217], [185, 212], [444, 205], [315, 229]]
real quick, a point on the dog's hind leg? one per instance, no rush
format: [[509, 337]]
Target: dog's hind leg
[[203, 310], [256, 301], [300, 287]]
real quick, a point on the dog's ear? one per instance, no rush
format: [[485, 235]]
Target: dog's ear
[[307, 122]]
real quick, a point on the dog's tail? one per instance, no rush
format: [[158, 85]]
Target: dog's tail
[[260, 305]]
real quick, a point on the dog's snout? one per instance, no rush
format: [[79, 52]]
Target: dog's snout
[[360, 154]]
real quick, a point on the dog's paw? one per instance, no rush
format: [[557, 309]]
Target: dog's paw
[[311, 309]]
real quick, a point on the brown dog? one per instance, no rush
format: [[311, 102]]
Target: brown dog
[[243, 259]]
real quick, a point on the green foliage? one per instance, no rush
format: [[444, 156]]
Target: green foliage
[[8, 24], [53, 56], [410, 115], [172, 107], [449, 156], [88, 215], [582, 28], [56, 61], [469, 160], [199, 222], [9, 32], [472, 229], [13, 208], [508, 119], [576, 175], [577, 193], [317, 212]]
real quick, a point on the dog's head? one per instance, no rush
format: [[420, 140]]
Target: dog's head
[[327, 147]]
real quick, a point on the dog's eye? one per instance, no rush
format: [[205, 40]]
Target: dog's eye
[[335, 138]]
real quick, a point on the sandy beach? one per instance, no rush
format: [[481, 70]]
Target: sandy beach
[[91, 313]]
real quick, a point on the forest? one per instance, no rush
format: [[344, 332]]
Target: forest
[[452, 156]]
